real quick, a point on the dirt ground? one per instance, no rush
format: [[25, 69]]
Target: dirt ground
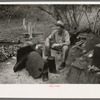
[[7, 75]]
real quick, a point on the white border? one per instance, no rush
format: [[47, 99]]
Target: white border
[[45, 91], [70, 2]]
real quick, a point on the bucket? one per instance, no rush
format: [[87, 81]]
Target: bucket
[[51, 64]]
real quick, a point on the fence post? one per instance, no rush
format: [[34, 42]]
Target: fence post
[[30, 30], [24, 24]]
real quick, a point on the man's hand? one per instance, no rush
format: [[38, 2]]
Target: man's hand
[[56, 45]]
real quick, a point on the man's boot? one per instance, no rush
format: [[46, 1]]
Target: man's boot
[[62, 66], [45, 77]]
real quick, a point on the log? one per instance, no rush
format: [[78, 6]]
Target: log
[[20, 64], [22, 54]]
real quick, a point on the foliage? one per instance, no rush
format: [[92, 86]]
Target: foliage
[[73, 14], [7, 11]]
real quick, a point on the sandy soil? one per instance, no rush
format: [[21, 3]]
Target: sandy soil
[[7, 75]]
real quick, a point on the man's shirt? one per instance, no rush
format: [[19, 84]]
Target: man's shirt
[[54, 37]]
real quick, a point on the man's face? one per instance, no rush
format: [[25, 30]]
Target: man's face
[[59, 28]]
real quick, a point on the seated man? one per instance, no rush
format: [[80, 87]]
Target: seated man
[[59, 39]]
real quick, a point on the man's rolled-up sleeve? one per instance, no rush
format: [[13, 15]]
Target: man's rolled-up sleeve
[[51, 36]]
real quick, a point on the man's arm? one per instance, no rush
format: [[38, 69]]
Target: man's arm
[[49, 38], [47, 42], [66, 40]]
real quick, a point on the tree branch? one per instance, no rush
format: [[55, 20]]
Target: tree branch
[[47, 12]]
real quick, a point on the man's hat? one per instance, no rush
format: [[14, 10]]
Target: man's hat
[[60, 23]]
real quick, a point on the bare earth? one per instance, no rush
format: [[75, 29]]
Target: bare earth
[[7, 75]]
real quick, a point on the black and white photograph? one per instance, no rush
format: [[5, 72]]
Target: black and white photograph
[[49, 44]]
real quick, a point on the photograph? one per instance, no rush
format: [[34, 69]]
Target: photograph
[[50, 44]]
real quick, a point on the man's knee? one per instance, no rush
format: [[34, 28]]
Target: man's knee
[[65, 48]]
